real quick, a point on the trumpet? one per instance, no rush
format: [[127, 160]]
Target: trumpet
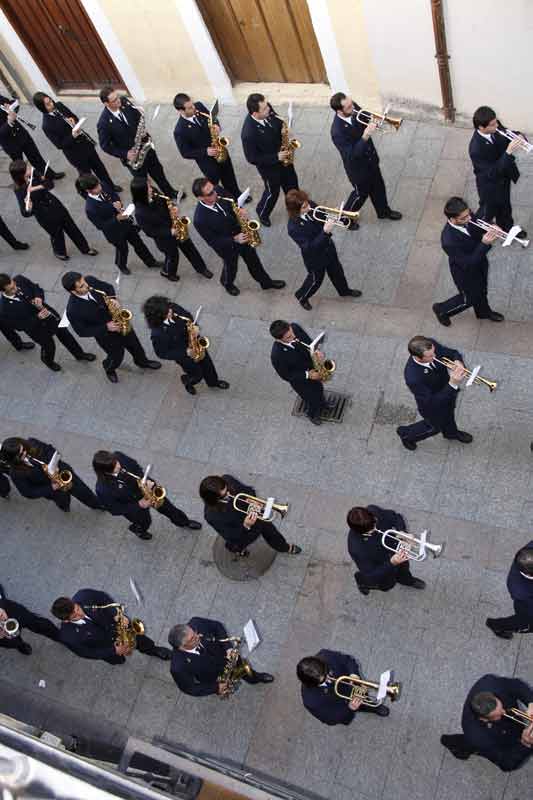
[[517, 715], [359, 689], [473, 376], [513, 137], [379, 120], [416, 548], [338, 216], [507, 237], [248, 504], [11, 627]]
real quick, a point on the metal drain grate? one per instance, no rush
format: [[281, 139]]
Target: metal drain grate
[[335, 414]]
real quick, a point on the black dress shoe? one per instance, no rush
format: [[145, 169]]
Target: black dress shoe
[[315, 420], [53, 366], [117, 188], [207, 273], [126, 270], [222, 385], [20, 246], [363, 589], [442, 318], [416, 583], [91, 252], [155, 265], [352, 293], [112, 376], [294, 549], [87, 357], [164, 653], [265, 222], [150, 365], [306, 304], [171, 278], [5, 496], [380, 711], [24, 648], [406, 443], [62, 257], [140, 532], [264, 677], [390, 214], [489, 622], [494, 316], [189, 388], [353, 226], [275, 285], [26, 346], [56, 176], [232, 290], [193, 525], [462, 436], [455, 751]]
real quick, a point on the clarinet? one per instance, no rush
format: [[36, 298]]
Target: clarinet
[[87, 136]]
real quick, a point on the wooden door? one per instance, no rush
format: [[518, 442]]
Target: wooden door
[[62, 40], [265, 40]]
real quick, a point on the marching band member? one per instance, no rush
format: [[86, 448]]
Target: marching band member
[[36, 200], [318, 249], [90, 316], [520, 587], [77, 146], [17, 142], [117, 128], [467, 248], [294, 364], [92, 632], [117, 488], [33, 481], [435, 389], [193, 140], [378, 568], [169, 329], [487, 732], [359, 156], [6, 234], [215, 221], [9, 609], [494, 164], [106, 212], [237, 529], [154, 218], [261, 141], [23, 308], [199, 658], [317, 674]]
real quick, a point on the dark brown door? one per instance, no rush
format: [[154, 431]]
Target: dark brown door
[[265, 40], [62, 40]]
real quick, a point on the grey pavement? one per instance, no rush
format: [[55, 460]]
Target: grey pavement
[[477, 499]]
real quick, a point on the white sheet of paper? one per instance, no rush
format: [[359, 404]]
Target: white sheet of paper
[[136, 590], [243, 197], [146, 471], [157, 109], [251, 635], [46, 168], [289, 116], [384, 680], [117, 279], [78, 125], [196, 316], [63, 322], [316, 341], [214, 109], [473, 375], [53, 463], [14, 105], [128, 211]]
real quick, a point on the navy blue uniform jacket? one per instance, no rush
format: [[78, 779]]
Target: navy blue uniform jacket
[[372, 559], [434, 396], [217, 228], [198, 675], [89, 318], [47, 209], [291, 363], [11, 135], [103, 215], [262, 143], [21, 315], [467, 256], [359, 157], [521, 590], [117, 137], [493, 167], [95, 639], [317, 247], [193, 138], [501, 742], [322, 702], [76, 148], [120, 495], [171, 341], [228, 522]]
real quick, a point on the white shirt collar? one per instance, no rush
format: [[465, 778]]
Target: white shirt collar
[[11, 296], [487, 136], [461, 228], [349, 119], [422, 363], [211, 208]]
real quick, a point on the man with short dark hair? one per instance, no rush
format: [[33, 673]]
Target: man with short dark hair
[[487, 732], [494, 164], [467, 247], [317, 674], [17, 141], [435, 388], [520, 587], [378, 567], [9, 609], [359, 156], [217, 224], [261, 141]]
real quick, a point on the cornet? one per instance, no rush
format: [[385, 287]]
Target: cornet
[[338, 216], [507, 237], [379, 120], [11, 627], [359, 689], [248, 504], [512, 136], [518, 716], [473, 376], [416, 548]]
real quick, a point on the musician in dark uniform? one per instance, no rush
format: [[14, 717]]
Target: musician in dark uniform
[[359, 156], [90, 317], [117, 128], [467, 248], [47, 209], [261, 141], [520, 587], [317, 675], [494, 163], [318, 249], [215, 221], [486, 731], [378, 568], [170, 339], [435, 388], [92, 632], [23, 308], [10, 609], [17, 142], [237, 529], [294, 364], [154, 218], [78, 146], [193, 140], [199, 658], [121, 495], [106, 212], [6, 234], [31, 479]]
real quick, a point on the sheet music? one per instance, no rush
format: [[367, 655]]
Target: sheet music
[[243, 197], [136, 590], [214, 110], [384, 681], [145, 475], [64, 322], [46, 168], [289, 116], [251, 635], [195, 319], [156, 112], [79, 124], [53, 463], [315, 341], [14, 105], [129, 210]]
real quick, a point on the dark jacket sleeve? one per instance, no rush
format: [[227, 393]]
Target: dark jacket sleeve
[[350, 149], [462, 259], [490, 170], [315, 246]]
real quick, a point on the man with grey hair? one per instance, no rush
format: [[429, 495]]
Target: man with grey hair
[[199, 657]]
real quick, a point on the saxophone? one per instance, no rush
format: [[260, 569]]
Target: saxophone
[[196, 343], [325, 367], [248, 226], [235, 668], [142, 142], [125, 632], [121, 316], [155, 494], [179, 224], [288, 144], [61, 476], [219, 142]]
